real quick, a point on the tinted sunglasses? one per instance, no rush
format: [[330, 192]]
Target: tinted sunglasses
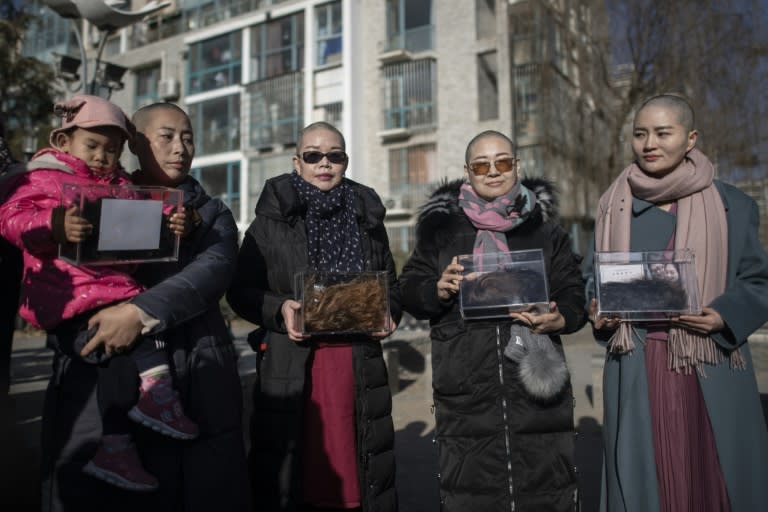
[[335, 157], [502, 165]]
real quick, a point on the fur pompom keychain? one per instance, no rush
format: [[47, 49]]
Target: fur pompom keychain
[[541, 366]]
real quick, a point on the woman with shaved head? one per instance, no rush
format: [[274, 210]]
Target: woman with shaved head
[[683, 427], [502, 393]]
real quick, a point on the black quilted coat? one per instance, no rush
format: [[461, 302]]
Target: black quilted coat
[[499, 450], [274, 249], [207, 473]]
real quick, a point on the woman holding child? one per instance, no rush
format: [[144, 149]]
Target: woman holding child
[[503, 400], [176, 303], [321, 433]]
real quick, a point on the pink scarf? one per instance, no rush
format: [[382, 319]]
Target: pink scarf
[[701, 226], [494, 218]]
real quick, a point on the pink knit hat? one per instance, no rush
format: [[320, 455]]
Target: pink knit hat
[[86, 111]]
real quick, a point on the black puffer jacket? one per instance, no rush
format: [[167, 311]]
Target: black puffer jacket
[[185, 296], [496, 445], [274, 249], [208, 473]]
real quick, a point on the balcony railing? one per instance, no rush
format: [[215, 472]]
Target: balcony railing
[[414, 40], [276, 110], [200, 13], [409, 94]]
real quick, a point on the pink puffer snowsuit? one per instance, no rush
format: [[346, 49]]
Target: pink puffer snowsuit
[[53, 290]]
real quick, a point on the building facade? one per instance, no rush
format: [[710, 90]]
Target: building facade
[[408, 82]]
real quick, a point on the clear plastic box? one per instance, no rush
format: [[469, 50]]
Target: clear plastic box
[[129, 224], [647, 285], [342, 302], [497, 284]]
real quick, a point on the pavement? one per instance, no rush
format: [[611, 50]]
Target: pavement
[[407, 352]]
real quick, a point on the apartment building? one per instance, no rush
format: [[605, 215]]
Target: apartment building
[[408, 82]]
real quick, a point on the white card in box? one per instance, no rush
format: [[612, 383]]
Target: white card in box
[[646, 285], [130, 224]]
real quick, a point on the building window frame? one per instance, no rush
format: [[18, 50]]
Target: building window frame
[[410, 95], [412, 173], [402, 33], [276, 110], [487, 86], [328, 37], [262, 54], [231, 195], [146, 80], [227, 50], [216, 139]]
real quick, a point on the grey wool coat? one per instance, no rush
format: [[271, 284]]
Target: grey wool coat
[[731, 396]]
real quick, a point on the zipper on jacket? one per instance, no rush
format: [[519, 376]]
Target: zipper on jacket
[[507, 441]]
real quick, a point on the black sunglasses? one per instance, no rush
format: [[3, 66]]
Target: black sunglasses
[[335, 157]]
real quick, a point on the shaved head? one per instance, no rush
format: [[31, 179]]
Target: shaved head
[[142, 116], [483, 135], [319, 125], [676, 103]]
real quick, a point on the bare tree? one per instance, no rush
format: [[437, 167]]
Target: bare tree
[[713, 52]]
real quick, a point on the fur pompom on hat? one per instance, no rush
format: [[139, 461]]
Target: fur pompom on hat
[[87, 111], [542, 367]]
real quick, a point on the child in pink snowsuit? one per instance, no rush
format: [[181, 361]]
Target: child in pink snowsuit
[[61, 298]]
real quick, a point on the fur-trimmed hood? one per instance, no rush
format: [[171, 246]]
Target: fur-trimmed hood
[[442, 208]]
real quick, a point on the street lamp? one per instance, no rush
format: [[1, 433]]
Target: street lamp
[[67, 67], [106, 19]]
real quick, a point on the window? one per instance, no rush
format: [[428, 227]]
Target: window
[[523, 33], [216, 124], [222, 181], [328, 33], [330, 113], [112, 46], [155, 28], [215, 63], [409, 25], [485, 18], [412, 173], [526, 99], [260, 170], [487, 86], [276, 110], [402, 240], [48, 32], [531, 161], [277, 47], [410, 94], [146, 86], [203, 13]]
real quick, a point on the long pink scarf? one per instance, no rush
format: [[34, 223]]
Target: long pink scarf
[[701, 226], [494, 218]]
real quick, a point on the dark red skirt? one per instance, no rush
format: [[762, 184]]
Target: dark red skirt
[[330, 454], [687, 465]]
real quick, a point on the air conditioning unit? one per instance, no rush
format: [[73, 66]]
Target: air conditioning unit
[[168, 89], [393, 204]]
